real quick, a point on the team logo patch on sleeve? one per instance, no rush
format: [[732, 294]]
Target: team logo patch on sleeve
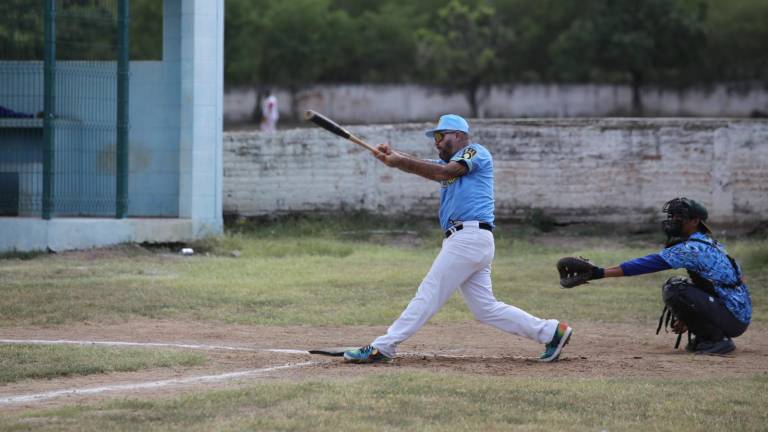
[[469, 153]]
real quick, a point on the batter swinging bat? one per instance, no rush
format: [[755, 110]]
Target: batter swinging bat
[[333, 127]]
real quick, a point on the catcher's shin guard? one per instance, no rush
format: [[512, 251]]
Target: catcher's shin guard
[[674, 304], [673, 289]]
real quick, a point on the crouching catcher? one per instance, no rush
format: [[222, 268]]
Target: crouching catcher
[[712, 305]]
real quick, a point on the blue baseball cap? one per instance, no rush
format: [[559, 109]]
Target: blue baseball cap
[[449, 122]]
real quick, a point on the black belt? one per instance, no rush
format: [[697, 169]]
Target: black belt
[[459, 227]]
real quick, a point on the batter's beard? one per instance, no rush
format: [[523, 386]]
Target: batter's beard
[[445, 156]]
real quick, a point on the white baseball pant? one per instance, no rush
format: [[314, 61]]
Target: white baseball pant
[[464, 263]]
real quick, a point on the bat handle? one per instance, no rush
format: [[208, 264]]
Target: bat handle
[[364, 144]]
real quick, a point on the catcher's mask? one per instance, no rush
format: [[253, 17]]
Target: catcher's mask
[[680, 210]]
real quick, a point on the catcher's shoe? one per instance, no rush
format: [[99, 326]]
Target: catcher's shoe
[[693, 344], [366, 354], [559, 340], [723, 346]]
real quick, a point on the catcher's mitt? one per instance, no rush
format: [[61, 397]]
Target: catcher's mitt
[[577, 271]]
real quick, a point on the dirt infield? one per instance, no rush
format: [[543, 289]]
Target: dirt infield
[[597, 350]]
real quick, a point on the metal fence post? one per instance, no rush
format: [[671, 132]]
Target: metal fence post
[[123, 79], [49, 105]]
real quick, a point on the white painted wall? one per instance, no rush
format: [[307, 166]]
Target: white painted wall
[[366, 104], [606, 170]]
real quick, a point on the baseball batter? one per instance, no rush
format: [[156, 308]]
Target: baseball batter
[[714, 304], [465, 173]]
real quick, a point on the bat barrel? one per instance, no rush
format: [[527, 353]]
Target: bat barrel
[[332, 127]]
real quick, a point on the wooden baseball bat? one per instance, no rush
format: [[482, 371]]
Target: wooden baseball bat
[[334, 128]]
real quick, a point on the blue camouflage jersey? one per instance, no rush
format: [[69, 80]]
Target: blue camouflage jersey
[[468, 197], [710, 261]]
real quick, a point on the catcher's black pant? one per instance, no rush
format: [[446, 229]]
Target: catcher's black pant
[[705, 314]]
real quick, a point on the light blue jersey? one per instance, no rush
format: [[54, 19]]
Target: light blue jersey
[[711, 262], [469, 197]]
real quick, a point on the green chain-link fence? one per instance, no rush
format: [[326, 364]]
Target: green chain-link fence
[[60, 95]]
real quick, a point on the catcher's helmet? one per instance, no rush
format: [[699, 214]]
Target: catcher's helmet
[[686, 209]]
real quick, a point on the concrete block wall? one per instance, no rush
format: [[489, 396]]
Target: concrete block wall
[[608, 170]]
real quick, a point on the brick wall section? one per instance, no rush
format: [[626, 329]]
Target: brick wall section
[[606, 170]]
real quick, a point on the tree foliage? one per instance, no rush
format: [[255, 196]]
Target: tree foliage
[[737, 35], [85, 29], [636, 38], [460, 44], [461, 52], [21, 30]]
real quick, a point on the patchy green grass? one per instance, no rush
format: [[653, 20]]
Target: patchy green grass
[[16, 255], [432, 402], [358, 271], [18, 362], [335, 272]]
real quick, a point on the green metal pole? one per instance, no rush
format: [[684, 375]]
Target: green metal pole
[[49, 105], [123, 80]]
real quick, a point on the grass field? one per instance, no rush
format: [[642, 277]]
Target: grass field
[[356, 273], [18, 362], [430, 402]]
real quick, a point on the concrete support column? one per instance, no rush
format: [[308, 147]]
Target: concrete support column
[[194, 36]]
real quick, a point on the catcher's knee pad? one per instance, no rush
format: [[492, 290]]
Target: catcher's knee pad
[[673, 290]]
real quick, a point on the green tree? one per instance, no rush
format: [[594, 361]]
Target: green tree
[[737, 32], [387, 43], [638, 38], [85, 30], [536, 24], [21, 30], [146, 30], [459, 51], [300, 41], [243, 29]]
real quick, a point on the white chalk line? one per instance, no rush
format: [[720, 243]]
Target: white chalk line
[[204, 347], [442, 354], [177, 381], [149, 344], [149, 385]]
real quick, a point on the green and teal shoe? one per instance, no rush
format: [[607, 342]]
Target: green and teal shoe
[[366, 354], [559, 340]]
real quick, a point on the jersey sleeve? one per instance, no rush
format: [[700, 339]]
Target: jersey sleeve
[[648, 264], [470, 156]]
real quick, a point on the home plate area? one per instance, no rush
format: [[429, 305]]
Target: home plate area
[[242, 355]]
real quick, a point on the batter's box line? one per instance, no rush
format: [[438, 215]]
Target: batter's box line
[[39, 397], [204, 347], [149, 344]]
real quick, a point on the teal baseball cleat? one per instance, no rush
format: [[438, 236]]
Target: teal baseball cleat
[[366, 354], [559, 340]]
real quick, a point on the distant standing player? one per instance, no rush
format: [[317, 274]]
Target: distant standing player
[[269, 113], [465, 171]]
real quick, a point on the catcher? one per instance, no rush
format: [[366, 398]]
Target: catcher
[[713, 304]]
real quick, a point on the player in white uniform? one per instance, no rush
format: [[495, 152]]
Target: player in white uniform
[[269, 113], [465, 171]]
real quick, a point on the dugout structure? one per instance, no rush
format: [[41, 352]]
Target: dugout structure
[[97, 147]]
